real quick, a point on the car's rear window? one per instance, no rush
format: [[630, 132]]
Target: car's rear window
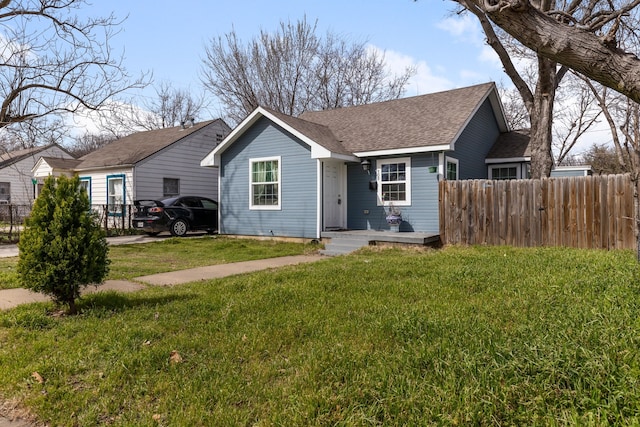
[[148, 203]]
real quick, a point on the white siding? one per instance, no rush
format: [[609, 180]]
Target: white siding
[[19, 175], [98, 190], [182, 161]]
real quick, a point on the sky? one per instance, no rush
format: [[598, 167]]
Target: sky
[[447, 50]]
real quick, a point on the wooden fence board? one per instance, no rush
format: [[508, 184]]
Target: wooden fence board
[[583, 212]]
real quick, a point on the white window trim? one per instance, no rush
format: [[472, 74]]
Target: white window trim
[[407, 162], [279, 182], [506, 165], [123, 178], [456, 162], [87, 180]]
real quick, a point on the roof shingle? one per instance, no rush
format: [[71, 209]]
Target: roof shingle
[[511, 145], [136, 147], [419, 121]]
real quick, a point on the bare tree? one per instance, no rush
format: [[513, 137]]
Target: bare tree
[[294, 70], [582, 37], [170, 107], [32, 133], [89, 142], [538, 93], [588, 17], [576, 114], [52, 61], [603, 160], [514, 109]]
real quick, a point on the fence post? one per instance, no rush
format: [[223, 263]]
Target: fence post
[[10, 222]]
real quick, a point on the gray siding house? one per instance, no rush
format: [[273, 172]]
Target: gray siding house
[[153, 164], [16, 185], [350, 167]]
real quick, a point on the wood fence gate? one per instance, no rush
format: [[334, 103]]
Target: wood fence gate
[[581, 212]]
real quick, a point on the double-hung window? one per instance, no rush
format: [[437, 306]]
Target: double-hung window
[[85, 183], [451, 169], [116, 197], [265, 183], [5, 192], [394, 181]]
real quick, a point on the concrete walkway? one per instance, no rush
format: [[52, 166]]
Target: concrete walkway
[[10, 298]]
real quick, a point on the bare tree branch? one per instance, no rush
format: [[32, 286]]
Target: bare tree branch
[[52, 61], [577, 47], [295, 70]]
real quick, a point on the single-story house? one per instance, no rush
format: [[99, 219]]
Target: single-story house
[[16, 181], [347, 168], [153, 164]]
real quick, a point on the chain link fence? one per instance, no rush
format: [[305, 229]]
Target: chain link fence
[[116, 220]]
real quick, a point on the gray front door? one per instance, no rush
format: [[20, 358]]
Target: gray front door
[[334, 197]]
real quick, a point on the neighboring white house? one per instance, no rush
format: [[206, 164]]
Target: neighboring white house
[[153, 164], [16, 184]]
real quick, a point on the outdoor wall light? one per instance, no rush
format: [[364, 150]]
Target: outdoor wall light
[[366, 165]]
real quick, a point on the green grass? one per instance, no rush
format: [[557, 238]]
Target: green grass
[[460, 336], [130, 261]]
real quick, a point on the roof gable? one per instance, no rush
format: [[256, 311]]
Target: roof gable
[[138, 146], [318, 137], [58, 163]]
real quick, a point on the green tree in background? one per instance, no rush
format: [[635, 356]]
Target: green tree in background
[[62, 249]]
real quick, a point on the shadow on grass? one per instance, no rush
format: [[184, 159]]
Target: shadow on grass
[[114, 301], [41, 316]]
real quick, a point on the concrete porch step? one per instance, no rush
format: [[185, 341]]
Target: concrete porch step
[[347, 241], [343, 245]]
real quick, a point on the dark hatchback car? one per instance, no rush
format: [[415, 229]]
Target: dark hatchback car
[[177, 215]]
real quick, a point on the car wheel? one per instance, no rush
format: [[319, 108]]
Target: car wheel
[[179, 227]]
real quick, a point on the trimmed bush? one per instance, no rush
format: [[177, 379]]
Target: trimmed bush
[[62, 249]]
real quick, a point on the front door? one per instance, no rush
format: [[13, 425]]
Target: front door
[[334, 197]]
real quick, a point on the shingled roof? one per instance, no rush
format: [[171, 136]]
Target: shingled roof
[[511, 145], [317, 132], [59, 163], [15, 156], [420, 121], [136, 147]]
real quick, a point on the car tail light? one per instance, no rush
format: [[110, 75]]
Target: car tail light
[[156, 210]]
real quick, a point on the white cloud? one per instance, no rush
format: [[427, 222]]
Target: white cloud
[[424, 81], [85, 121], [465, 28], [489, 56]]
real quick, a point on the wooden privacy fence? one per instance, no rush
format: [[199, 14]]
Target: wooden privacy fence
[[582, 212]]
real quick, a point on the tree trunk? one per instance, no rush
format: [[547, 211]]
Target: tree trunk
[[73, 309], [542, 118], [578, 49]]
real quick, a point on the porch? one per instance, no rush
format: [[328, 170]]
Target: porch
[[346, 241]]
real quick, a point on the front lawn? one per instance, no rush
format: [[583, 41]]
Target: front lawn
[[129, 261], [459, 336]]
